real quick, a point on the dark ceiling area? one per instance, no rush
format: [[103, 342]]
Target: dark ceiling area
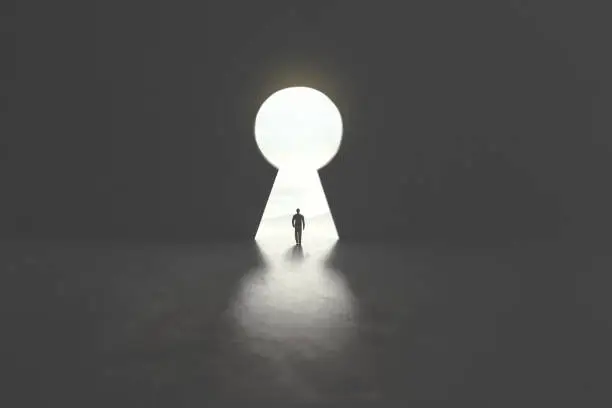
[[465, 122]]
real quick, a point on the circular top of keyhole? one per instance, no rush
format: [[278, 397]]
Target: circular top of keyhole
[[298, 127]]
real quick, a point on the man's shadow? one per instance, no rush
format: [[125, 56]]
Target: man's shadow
[[295, 253]]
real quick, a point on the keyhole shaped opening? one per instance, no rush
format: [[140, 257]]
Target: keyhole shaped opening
[[298, 130]]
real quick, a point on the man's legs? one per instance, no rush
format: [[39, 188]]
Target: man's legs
[[298, 236]]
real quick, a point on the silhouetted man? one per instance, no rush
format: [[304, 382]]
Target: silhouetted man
[[299, 225]]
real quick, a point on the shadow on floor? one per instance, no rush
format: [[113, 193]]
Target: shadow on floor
[[295, 253]]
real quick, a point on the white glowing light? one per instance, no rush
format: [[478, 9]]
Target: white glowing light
[[298, 130]]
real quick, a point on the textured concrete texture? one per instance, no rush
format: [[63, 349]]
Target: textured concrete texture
[[471, 121], [203, 325]]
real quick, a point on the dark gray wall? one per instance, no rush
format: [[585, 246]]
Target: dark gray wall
[[463, 122]]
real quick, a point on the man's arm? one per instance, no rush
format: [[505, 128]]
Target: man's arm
[[303, 222]]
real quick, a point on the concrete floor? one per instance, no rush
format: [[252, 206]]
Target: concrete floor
[[196, 325]]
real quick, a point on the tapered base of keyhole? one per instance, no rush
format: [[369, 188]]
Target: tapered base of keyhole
[[293, 189]]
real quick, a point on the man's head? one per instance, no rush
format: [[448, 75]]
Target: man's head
[[297, 211]]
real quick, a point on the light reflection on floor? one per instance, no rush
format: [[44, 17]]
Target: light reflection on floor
[[295, 304]]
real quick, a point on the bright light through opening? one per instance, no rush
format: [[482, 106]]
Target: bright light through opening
[[298, 130]]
